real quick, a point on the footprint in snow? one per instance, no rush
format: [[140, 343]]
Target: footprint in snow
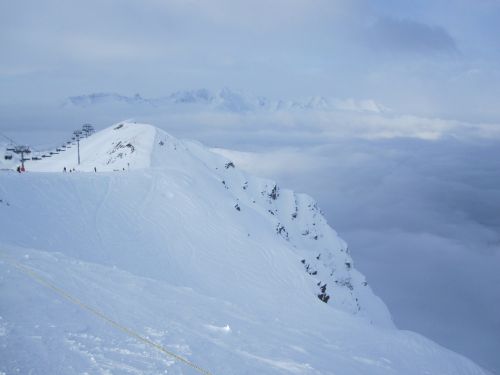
[[225, 329]]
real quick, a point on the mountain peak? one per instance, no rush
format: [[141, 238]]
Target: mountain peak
[[229, 100], [129, 146]]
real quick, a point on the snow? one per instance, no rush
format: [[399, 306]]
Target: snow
[[226, 100], [177, 244]]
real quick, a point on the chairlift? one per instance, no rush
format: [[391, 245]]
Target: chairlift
[[44, 156], [8, 155], [36, 158]]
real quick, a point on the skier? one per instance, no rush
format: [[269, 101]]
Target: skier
[[64, 169], [18, 169], [95, 169]]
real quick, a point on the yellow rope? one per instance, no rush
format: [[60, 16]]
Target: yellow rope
[[42, 281]]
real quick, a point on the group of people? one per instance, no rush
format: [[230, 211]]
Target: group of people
[[20, 169], [74, 170]]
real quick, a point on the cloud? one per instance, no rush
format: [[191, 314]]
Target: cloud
[[287, 48], [264, 128], [320, 127], [435, 285], [409, 36]]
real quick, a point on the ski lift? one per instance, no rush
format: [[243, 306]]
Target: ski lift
[[87, 130], [44, 156], [8, 155], [36, 158], [58, 149]]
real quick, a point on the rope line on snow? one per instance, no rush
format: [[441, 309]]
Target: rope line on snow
[[61, 292]]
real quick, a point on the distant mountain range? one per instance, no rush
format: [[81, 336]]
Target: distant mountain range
[[228, 100]]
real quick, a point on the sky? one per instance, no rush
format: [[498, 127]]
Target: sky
[[414, 188], [427, 57]]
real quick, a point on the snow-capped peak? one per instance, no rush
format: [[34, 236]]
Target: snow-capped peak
[[295, 218], [228, 100]]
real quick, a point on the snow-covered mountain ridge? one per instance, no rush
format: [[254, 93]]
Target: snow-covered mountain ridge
[[227, 100], [228, 269], [294, 217]]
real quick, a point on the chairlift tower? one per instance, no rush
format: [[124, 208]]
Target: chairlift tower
[[78, 135], [88, 130], [21, 150]]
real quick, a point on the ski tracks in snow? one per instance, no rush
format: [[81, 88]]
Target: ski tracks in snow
[[110, 355], [99, 210]]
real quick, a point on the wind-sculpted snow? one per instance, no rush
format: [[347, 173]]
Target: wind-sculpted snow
[[173, 241], [42, 334]]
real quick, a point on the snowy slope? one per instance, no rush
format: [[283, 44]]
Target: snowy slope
[[6, 163], [227, 269], [294, 217], [116, 148]]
